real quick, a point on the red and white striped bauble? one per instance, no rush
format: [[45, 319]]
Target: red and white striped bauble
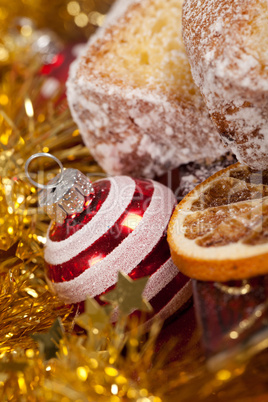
[[121, 228]]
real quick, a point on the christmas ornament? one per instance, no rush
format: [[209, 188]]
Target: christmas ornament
[[116, 224]]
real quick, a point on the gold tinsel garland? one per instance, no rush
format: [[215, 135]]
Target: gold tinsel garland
[[105, 363]]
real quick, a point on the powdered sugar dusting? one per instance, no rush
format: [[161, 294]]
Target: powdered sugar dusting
[[117, 10], [138, 128], [230, 65]]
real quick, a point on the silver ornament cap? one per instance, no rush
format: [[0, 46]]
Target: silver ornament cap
[[65, 194], [68, 195]]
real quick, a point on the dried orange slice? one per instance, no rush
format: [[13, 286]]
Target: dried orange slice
[[219, 231]]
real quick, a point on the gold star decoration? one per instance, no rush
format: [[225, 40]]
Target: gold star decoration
[[127, 294], [49, 341], [95, 316]]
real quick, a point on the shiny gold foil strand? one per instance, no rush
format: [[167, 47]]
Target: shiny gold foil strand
[[55, 133], [26, 305], [45, 128], [84, 371], [81, 372], [234, 290], [25, 126]]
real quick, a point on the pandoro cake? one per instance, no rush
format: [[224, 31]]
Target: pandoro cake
[[132, 94]]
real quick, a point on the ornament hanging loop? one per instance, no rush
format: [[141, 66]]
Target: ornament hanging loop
[[41, 155]]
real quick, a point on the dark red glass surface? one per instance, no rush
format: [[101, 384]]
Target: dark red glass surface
[[75, 222], [150, 264], [168, 292], [157, 257], [106, 243], [220, 313]]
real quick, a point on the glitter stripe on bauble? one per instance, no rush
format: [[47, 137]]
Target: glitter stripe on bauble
[[128, 234], [115, 232], [62, 251]]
